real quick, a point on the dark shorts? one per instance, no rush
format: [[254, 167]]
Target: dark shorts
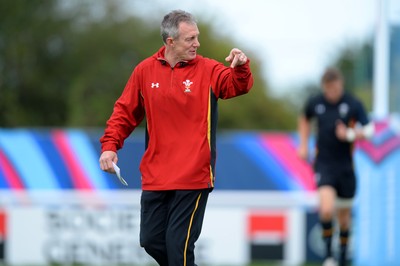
[[342, 179]]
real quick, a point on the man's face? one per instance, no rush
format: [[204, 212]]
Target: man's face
[[186, 44], [333, 90]]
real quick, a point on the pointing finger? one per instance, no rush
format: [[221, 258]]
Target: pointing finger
[[235, 61], [229, 57]]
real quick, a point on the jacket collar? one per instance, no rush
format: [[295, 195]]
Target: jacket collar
[[159, 55]]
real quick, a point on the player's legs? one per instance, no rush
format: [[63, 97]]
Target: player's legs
[[346, 192], [344, 218], [327, 198], [184, 226]]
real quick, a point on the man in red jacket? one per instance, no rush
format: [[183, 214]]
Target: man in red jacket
[[177, 90]]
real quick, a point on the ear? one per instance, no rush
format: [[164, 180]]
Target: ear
[[170, 41]]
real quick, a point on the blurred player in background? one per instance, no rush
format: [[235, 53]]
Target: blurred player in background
[[177, 90], [340, 120]]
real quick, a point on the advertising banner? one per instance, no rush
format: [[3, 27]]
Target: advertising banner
[[110, 236], [377, 211], [79, 231]]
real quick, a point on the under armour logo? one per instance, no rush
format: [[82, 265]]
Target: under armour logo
[[155, 85]]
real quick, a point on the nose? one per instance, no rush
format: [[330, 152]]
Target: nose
[[197, 43]]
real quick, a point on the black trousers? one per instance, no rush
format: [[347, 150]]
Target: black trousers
[[171, 223]]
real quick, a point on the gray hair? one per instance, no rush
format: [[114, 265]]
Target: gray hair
[[171, 21]]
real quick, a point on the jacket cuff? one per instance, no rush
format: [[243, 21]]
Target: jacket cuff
[[242, 70], [108, 147]]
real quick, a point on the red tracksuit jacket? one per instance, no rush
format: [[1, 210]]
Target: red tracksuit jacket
[[180, 105]]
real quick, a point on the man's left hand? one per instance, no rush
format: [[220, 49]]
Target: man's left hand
[[236, 57]]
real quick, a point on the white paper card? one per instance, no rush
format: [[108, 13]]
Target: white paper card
[[118, 172]]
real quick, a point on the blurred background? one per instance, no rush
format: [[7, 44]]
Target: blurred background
[[63, 64]]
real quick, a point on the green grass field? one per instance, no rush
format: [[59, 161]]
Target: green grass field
[[253, 264], [278, 264]]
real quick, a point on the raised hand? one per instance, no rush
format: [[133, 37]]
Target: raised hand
[[236, 57]]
